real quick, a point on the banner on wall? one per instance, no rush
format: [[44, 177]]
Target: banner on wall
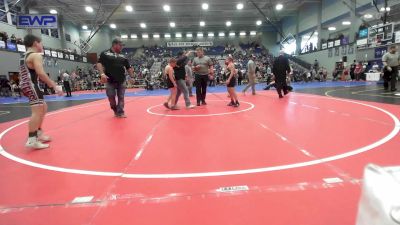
[[336, 51], [344, 41], [60, 55], [11, 46], [337, 43], [54, 54], [21, 48], [324, 46], [37, 21], [397, 37], [189, 44], [344, 50], [47, 52], [330, 44], [362, 42], [379, 52], [350, 50]]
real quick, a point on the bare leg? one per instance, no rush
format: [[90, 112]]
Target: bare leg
[[38, 112], [233, 91], [43, 114], [173, 97], [36, 118]]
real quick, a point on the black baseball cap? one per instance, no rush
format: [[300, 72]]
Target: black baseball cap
[[117, 41]]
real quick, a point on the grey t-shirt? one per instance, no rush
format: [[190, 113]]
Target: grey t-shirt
[[391, 59], [251, 67], [189, 72], [204, 62]]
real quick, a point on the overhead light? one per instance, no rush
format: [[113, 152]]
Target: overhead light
[[202, 23], [306, 36], [382, 9], [279, 6], [167, 8], [200, 35], [239, 6], [242, 33], [387, 9], [232, 34], [129, 8], [133, 36], [316, 33], [346, 23], [124, 36], [368, 16], [113, 26], [84, 27], [331, 28], [210, 34], [53, 11], [204, 6], [259, 22], [145, 36], [156, 36], [167, 35], [253, 33], [172, 24], [142, 25], [189, 35], [89, 9], [178, 35], [228, 23], [221, 34]]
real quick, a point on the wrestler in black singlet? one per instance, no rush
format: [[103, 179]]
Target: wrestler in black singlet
[[29, 82]]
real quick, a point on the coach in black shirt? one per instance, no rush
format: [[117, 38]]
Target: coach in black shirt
[[180, 76], [281, 69], [112, 66]]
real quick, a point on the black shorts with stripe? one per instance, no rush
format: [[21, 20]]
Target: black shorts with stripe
[[33, 93]]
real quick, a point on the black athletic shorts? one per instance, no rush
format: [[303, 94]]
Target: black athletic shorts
[[169, 83], [232, 83], [33, 92]]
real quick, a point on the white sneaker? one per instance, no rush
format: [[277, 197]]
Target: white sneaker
[[33, 142], [190, 106], [43, 137]]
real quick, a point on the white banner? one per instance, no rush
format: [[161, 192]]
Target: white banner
[[21, 48], [189, 44], [2, 44], [397, 38], [47, 52], [362, 42]]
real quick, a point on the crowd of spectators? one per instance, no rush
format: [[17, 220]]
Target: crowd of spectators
[[142, 59]]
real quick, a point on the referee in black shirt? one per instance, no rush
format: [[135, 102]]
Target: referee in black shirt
[[112, 65]]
